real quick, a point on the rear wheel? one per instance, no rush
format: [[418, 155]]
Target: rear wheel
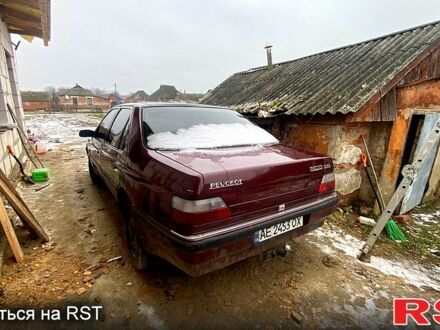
[[139, 259]]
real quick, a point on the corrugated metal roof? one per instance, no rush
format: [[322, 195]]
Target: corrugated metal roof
[[341, 80], [165, 92], [77, 90], [35, 96]]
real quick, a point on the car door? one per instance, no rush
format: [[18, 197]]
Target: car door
[[95, 145], [111, 152]]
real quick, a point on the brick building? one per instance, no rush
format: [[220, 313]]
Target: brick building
[[79, 98], [139, 96], [386, 90], [33, 100]]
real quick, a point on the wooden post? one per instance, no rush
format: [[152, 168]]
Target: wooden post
[[10, 233], [20, 207]]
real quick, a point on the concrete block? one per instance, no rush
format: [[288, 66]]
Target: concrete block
[[347, 181], [348, 154]]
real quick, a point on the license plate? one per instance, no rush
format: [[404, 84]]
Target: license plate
[[278, 229]]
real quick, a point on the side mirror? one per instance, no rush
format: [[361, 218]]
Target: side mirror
[[87, 133]]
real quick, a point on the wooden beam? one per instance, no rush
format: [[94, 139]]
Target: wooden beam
[[20, 24], [33, 4], [45, 20], [3, 241], [27, 32], [20, 207], [10, 233], [4, 10]]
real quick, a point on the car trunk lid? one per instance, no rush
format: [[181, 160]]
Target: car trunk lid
[[257, 177]]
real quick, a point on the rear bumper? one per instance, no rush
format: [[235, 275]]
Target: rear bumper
[[201, 253]]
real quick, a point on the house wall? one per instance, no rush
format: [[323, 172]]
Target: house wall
[[377, 143], [338, 139], [98, 103], [9, 94], [32, 106]]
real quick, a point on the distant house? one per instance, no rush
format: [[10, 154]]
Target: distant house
[[164, 93], [80, 98], [36, 100], [190, 97], [113, 98], [139, 96], [385, 90]]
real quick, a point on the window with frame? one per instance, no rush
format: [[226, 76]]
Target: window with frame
[[74, 100], [89, 100], [103, 128], [118, 126]]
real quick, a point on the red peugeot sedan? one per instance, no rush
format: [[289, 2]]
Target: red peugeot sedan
[[203, 187]]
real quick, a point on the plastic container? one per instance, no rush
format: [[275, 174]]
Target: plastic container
[[367, 221], [40, 175], [40, 147]]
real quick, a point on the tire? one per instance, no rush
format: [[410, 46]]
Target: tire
[[96, 179], [139, 258]]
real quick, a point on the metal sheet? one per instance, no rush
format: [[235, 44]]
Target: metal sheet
[[336, 81], [416, 191]]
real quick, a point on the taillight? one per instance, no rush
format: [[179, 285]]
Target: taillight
[[199, 211], [327, 183]]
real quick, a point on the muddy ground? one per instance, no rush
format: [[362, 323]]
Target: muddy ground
[[320, 284]]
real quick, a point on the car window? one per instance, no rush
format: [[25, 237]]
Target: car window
[[118, 126], [103, 128], [124, 136], [182, 128]]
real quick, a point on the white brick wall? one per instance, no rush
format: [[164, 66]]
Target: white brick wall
[[9, 94]]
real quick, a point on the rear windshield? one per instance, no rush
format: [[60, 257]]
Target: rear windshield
[[183, 128]]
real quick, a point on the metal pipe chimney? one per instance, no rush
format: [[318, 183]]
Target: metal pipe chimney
[[269, 56]]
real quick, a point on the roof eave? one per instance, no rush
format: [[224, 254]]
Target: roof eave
[[27, 17]]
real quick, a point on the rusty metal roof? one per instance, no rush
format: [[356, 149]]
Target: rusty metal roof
[[341, 80]]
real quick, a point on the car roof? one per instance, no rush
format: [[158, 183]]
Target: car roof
[[171, 104]]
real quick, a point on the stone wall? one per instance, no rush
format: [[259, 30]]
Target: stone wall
[[342, 141]]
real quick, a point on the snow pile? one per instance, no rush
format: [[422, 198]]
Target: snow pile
[[411, 273], [427, 217], [55, 129], [211, 136]]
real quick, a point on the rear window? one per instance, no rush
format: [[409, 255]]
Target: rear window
[[182, 128]]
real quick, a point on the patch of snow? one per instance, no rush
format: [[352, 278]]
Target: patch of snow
[[427, 217], [221, 152], [149, 313], [211, 136], [411, 273], [369, 314], [56, 129]]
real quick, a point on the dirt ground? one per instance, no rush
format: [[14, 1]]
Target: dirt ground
[[320, 284]]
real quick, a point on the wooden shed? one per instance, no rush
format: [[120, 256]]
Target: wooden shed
[[386, 90]]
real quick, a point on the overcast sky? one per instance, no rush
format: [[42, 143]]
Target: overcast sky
[[196, 44]]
